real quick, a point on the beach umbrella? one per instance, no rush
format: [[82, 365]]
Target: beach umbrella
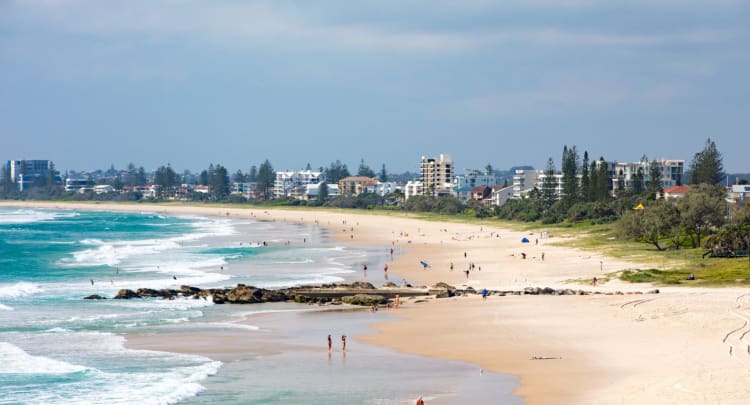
[[424, 264], [525, 240]]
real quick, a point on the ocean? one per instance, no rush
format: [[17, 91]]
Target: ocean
[[57, 348]]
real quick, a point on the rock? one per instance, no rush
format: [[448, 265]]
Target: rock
[[188, 290], [364, 299], [548, 291], [148, 292], [219, 299], [126, 294], [94, 297], [531, 290], [243, 294], [445, 286], [363, 285], [443, 294], [389, 284]]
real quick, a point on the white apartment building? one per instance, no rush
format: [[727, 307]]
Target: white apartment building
[[670, 172], [286, 181], [383, 188], [524, 181], [437, 175], [412, 188], [472, 178]]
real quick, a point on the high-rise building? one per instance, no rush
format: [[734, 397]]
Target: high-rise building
[[437, 175], [25, 172]]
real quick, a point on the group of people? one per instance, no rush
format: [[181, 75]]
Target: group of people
[[343, 343]]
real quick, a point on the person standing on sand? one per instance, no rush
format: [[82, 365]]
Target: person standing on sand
[[397, 301], [343, 343], [330, 343], [484, 294]]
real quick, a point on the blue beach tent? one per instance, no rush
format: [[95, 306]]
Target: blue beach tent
[[525, 240]]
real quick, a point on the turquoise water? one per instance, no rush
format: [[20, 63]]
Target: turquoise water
[[56, 347]]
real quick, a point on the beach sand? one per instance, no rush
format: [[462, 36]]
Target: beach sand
[[684, 345]]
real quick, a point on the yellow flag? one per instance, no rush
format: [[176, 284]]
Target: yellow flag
[[639, 207]]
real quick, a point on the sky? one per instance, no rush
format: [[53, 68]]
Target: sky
[[88, 84]]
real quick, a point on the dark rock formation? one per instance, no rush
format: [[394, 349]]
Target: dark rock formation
[[95, 297]]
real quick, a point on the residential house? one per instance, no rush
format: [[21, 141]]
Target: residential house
[[501, 195], [674, 192], [356, 185], [288, 180]]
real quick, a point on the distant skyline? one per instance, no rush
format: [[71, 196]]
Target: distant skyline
[[89, 83]]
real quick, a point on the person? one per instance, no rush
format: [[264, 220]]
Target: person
[[593, 282], [343, 342], [397, 301], [330, 343], [174, 277], [391, 253], [92, 281], [484, 294], [385, 268], [542, 256], [464, 255], [523, 255], [420, 401], [467, 274], [451, 266]]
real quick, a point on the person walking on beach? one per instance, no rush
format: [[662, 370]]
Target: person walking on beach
[[451, 266], [330, 343], [343, 343], [467, 274], [484, 294]]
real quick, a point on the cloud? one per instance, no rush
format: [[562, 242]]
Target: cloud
[[264, 24]]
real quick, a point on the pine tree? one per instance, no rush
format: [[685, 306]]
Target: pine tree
[[570, 187], [604, 184], [584, 192], [654, 178], [383, 174], [265, 178], [707, 166], [549, 184], [593, 182]]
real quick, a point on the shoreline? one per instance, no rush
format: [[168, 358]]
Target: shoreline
[[674, 347]]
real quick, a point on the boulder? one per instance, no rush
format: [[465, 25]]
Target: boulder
[[364, 299], [126, 294], [389, 284], [148, 292], [362, 285], [548, 291], [188, 290], [95, 297], [243, 294]]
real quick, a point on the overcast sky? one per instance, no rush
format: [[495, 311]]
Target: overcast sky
[[90, 83]]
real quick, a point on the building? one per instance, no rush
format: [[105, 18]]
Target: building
[[25, 173], [524, 181], [472, 178], [73, 185], [670, 173], [103, 189], [356, 185], [311, 191], [383, 188], [286, 181], [481, 193], [675, 192], [500, 195], [738, 194], [412, 188], [245, 189], [437, 175]]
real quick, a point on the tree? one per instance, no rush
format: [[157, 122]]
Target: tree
[[365, 170], [654, 178], [322, 192], [336, 172], [602, 178], [549, 184], [488, 170], [702, 209], [239, 177], [570, 186], [219, 182], [252, 176], [132, 174], [707, 166], [165, 177], [621, 182], [140, 177], [265, 178], [657, 221], [584, 191], [383, 174], [638, 182]]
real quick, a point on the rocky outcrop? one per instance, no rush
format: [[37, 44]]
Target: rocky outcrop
[[359, 293], [95, 297]]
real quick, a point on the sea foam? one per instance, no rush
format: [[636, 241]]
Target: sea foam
[[16, 361], [18, 289]]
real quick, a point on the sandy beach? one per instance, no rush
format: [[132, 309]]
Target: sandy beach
[[685, 345]]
